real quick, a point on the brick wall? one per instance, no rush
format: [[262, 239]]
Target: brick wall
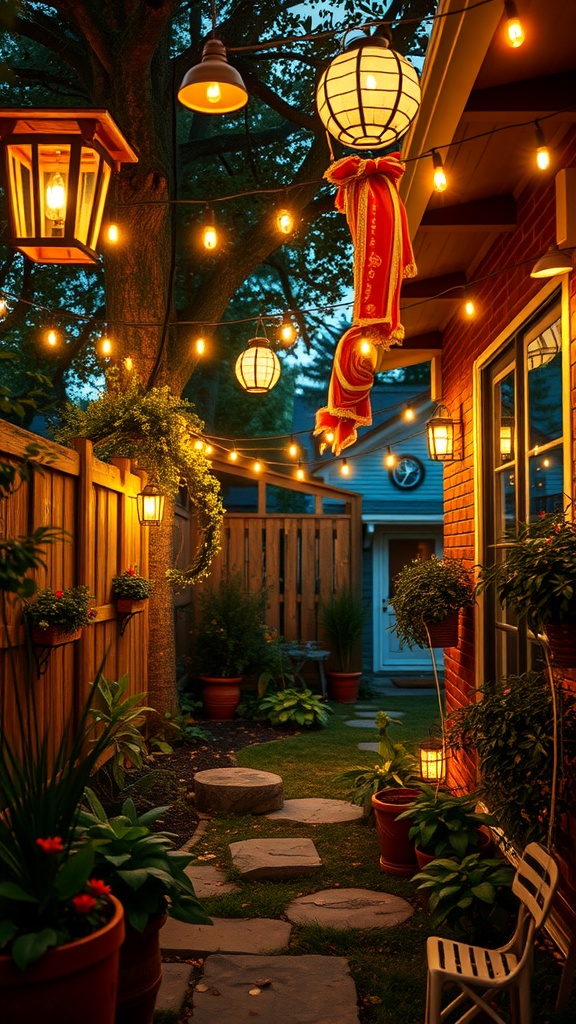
[[499, 298]]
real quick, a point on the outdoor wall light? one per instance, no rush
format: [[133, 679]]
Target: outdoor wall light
[[553, 263], [257, 369], [57, 168], [440, 433], [150, 505], [432, 757], [369, 95]]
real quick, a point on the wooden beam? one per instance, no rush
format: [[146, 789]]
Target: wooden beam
[[494, 213], [533, 96], [445, 286]]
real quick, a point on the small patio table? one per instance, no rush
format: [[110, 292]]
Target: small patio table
[[300, 654]]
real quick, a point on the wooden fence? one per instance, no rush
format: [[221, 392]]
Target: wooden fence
[[95, 504]]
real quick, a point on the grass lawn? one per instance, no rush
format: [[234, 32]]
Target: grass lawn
[[388, 965]]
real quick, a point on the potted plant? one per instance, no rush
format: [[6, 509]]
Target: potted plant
[[343, 615], [384, 790], [472, 896], [60, 929], [446, 825], [536, 579], [143, 872], [130, 590], [229, 640], [57, 616], [428, 594]]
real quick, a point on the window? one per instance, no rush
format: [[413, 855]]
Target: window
[[522, 417]]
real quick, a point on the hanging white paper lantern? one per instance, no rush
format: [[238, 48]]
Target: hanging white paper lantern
[[257, 369]]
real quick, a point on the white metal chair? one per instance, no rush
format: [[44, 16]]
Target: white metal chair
[[481, 974]]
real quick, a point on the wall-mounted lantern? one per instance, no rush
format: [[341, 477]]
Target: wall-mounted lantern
[[57, 169], [150, 505], [440, 433]]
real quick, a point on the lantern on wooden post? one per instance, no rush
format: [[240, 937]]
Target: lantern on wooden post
[[440, 431], [150, 505], [369, 95], [57, 168], [432, 757]]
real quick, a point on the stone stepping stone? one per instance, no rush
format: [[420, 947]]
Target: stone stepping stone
[[349, 908], [368, 746], [238, 791], [209, 880], [275, 859], [364, 723], [224, 935], [317, 811], [173, 990], [306, 989]]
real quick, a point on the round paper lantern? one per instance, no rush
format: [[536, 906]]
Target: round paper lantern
[[369, 95], [258, 368]]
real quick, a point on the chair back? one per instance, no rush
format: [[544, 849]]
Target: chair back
[[536, 881]]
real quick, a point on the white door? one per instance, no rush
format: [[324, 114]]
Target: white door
[[391, 553]]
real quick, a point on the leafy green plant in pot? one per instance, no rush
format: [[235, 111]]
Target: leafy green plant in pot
[[229, 640], [445, 824], [428, 594], [384, 790], [141, 869], [57, 616], [131, 590], [536, 579], [472, 896], [343, 615]]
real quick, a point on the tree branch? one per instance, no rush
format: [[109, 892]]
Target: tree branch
[[236, 142]]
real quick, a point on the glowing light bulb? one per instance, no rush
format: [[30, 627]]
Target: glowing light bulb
[[129, 363], [112, 233], [233, 455], [149, 506], [389, 460], [365, 346], [52, 338], [209, 237], [514, 30], [329, 436], [345, 468], [409, 414], [300, 473], [371, 82], [257, 466], [198, 445], [209, 449], [105, 346], [285, 221], [213, 93], [543, 157], [200, 346], [55, 197], [546, 463], [293, 450], [469, 308], [3, 305], [287, 331]]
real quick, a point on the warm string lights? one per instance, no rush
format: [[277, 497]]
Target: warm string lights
[[514, 29]]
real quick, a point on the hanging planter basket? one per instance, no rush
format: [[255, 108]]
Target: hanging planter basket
[[54, 636], [445, 633]]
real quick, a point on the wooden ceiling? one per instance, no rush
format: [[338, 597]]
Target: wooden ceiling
[[476, 89]]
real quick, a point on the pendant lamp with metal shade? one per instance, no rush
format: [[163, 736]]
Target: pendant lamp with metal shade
[[213, 86], [257, 369], [369, 95], [553, 263]]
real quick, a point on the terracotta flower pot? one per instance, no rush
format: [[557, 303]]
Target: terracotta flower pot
[[397, 851], [129, 605], [445, 633], [221, 696], [562, 643], [140, 973], [75, 982], [343, 686], [53, 636]]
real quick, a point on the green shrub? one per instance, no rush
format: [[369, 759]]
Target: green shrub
[[300, 706], [473, 896]]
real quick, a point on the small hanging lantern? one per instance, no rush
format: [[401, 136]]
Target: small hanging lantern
[[369, 95], [440, 435], [150, 505], [258, 368], [57, 167], [507, 438], [432, 757]]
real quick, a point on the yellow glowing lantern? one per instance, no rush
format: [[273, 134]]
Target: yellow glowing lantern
[[58, 165], [432, 756], [440, 435], [257, 369], [150, 505]]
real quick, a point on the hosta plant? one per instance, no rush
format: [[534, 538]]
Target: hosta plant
[[445, 824], [473, 896], [397, 767], [293, 706]]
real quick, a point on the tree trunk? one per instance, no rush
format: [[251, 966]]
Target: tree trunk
[[161, 650]]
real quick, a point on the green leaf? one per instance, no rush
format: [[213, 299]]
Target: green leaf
[[13, 891], [75, 872], [26, 949]]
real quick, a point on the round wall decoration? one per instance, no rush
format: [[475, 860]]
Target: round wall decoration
[[407, 473]]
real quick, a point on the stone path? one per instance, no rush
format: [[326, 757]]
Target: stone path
[[209, 881], [368, 746], [316, 811], [238, 791], [369, 723], [225, 935], [275, 859], [349, 908]]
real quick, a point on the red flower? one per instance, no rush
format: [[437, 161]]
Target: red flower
[[131, 571], [83, 903], [92, 613], [53, 844], [98, 887], [59, 593]]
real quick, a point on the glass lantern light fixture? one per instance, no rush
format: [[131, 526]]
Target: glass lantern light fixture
[[57, 169], [257, 369], [432, 758], [369, 95], [150, 505], [440, 433]]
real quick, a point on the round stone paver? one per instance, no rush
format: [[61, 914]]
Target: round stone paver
[[349, 908], [317, 811], [275, 859], [238, 791], [372, 747]]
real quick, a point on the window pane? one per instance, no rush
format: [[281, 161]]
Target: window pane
[[506, 496], [505, 419], [546, 481], [544, 362]]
